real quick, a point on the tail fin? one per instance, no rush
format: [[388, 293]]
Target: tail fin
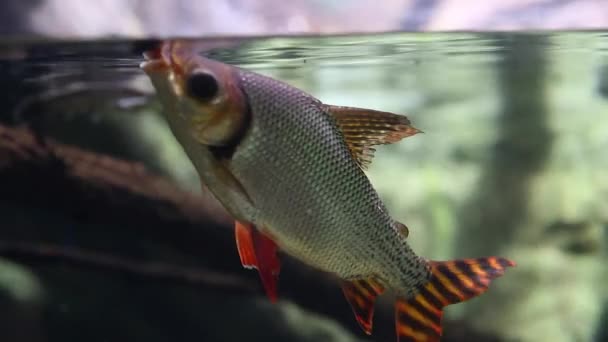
[[418, 319]]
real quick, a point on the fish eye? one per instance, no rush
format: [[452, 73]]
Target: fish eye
[[202, 86]]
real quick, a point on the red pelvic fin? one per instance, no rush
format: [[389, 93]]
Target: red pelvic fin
[[361, 295], [244, 243], [259, 251], [268, 264], [418, 319]]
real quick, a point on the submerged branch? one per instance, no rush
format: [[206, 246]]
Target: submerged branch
[[119, 208], [51, 253]]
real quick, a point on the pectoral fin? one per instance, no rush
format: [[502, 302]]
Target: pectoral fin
[[364, 128], [260, 252]]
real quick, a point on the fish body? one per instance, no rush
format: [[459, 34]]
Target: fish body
[[311, 195], [290, 169]]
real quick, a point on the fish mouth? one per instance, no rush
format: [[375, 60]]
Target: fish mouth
[[156, 59], [164, 58]]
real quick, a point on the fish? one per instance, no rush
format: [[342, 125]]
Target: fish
[[291, 170]]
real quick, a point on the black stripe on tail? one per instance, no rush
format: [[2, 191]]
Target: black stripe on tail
[[418, 319]]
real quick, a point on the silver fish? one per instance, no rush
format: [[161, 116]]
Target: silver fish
[[290, 169]]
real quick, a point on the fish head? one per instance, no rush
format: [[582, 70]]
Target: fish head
[[202, 92]]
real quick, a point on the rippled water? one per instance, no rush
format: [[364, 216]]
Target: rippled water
[[416, 62], [394, 70]]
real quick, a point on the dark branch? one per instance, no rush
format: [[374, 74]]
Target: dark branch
[[50, 253]]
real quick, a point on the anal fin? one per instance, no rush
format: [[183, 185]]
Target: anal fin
[[361, 295], [418, 319], [260, 252]]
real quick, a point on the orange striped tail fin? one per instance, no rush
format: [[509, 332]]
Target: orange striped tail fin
[[418, 319]]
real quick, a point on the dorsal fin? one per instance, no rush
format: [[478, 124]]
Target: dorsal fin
[[363, 128]]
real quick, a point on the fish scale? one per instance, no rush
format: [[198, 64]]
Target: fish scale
[[314, 171]]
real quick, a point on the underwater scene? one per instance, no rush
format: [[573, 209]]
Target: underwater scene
[[488, 145]]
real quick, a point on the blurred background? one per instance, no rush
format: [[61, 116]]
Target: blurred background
[[106, 234], [138, 18]]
